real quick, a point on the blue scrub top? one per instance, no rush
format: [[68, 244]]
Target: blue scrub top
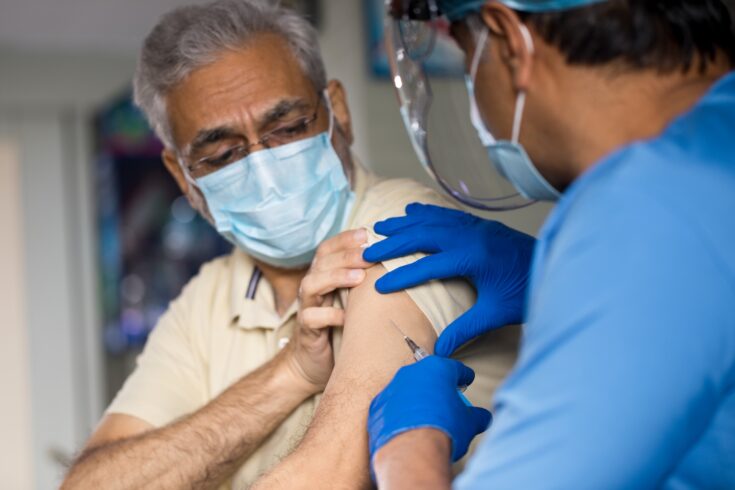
[[626, 377]]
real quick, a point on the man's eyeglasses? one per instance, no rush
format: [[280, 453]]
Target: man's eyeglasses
[[285, 133]]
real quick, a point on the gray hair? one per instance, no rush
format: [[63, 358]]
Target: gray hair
[[190, 37]]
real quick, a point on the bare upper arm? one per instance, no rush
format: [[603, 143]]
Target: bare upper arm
[[371, 352], [114, 427], [372, 349]]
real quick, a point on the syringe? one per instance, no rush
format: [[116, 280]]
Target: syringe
[[419, 353]]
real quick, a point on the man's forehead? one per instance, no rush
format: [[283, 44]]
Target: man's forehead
[[264, 67], [261, 78]]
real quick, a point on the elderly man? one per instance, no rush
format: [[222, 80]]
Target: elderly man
[[233, 373]]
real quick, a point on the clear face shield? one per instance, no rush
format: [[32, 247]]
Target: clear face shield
[[436, 110]]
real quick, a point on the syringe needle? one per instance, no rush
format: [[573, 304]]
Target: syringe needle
[[419, 353], [397, 328]]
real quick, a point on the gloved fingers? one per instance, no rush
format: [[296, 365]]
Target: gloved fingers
[[436, 214], [464, 375], [391, 226], [473, 323], [418, 214], [402, 244], [478, 421], [425, 269], [482, 419], [452, 370], [430, 215]]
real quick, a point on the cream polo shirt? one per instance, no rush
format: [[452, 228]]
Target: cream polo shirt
[[224, 325]]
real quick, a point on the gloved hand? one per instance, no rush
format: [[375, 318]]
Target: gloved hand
[[495, 258], [424, 395]]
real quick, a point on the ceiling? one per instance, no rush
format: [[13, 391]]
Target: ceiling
[[79, 26], [99, 26]]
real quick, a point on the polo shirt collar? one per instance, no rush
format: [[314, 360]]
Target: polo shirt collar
[[259, 310]]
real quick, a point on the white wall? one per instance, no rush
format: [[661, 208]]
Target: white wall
[[61, 81], [15, 411], [46, 102]]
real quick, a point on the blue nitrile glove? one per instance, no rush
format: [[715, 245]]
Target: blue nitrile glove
[[495, 258], [424, 395]]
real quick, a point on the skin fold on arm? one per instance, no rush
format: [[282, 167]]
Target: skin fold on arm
[[334, 451]]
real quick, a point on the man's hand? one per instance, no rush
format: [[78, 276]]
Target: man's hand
[[338, 264], [495, 258], [200, 450], [424, 395]]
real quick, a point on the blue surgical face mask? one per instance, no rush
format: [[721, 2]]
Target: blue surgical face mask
[[509, 157], [279, 204]]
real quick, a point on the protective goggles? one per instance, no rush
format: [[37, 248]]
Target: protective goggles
[[436, 109]]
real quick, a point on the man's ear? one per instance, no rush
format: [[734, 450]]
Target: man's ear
[[171, 161], [514, 41], [340, 109], [192, 193]]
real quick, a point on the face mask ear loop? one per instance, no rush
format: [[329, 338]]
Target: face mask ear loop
[[325, 94], [518, 117], [521, 100], [479, 49]]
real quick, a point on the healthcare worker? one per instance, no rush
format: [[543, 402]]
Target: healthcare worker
[[624, 112]]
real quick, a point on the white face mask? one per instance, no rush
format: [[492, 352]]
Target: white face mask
[[279, 204], [509, 157]]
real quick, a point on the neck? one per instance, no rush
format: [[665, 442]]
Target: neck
[[285, 284], [607, 111]]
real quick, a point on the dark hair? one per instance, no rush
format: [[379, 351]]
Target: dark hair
[[666, 35]]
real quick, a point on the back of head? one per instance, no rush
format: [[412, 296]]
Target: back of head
[[665, 36], [193, 36], [675, 35]]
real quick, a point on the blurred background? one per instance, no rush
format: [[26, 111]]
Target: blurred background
[[96, 239]]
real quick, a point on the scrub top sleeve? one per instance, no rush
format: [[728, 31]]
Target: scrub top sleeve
[[623, 361]]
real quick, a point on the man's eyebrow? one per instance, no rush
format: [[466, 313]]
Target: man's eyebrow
[[282, 109], [211, 135]]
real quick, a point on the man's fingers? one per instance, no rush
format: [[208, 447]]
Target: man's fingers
[[320, 283], [317, 318], [346, 258], [439, 266], [345, 240]]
